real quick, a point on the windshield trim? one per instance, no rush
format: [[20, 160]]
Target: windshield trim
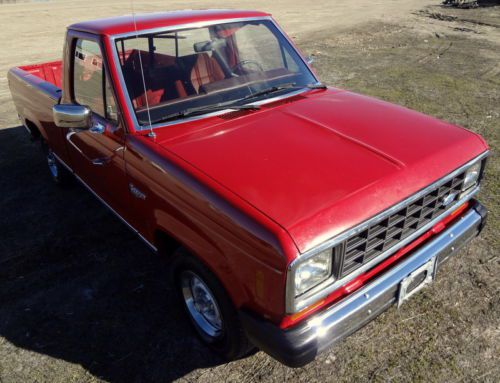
[[138, 127]]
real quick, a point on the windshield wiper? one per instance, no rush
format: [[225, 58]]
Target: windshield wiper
[[272, 89], [277, 88], [235, 104], [190, 112]]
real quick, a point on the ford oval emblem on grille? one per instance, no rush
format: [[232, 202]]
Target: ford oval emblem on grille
[[448, 199]]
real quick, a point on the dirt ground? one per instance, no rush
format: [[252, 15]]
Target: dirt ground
[[83, 300]]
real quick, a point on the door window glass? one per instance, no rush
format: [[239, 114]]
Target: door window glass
[[88, 76]]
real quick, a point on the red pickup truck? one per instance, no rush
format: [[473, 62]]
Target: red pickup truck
[[294, 213]]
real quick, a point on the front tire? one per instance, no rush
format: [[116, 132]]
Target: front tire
[[209, 308]]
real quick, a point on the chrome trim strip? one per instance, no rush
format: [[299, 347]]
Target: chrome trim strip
[[200, 24], [106, 204], [294, 305], [70, 133], [448, 242]]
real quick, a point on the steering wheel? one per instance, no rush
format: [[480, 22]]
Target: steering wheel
[[241, 64]]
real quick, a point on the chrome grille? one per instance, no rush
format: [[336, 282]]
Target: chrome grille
[[381, 236]]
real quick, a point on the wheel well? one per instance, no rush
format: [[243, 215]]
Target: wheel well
[[169, 246], [35, 133], [165, 243]]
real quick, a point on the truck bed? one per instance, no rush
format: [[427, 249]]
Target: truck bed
[[49, 71], [35, 89], [46, 78]]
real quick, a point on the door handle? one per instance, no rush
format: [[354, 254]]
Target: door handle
[[104, 160], [101, 161]]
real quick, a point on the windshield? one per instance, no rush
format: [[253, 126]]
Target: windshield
[[208, 66]]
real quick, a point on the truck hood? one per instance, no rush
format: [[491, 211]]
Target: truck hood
[[320, 163]]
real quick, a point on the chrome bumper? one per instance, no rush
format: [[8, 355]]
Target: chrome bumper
[[301, 344]]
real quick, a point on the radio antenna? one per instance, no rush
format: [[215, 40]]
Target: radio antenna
[[151, 133]]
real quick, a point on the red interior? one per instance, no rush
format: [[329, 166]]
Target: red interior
[[157, 83], [165, 77], [49, 71], [165, 81]]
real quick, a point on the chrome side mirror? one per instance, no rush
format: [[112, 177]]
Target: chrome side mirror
[[309, 60], [72, 116]]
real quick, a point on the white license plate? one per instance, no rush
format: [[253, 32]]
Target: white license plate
[[417, 280]]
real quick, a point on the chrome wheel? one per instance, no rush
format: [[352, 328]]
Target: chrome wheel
[[52, 162], [202, 305]]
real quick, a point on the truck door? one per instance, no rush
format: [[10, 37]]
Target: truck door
[[97, 154]]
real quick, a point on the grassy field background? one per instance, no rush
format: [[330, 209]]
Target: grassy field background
[[83, 300]]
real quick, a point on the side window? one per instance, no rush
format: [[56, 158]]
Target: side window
[[165, 44], [134, 44], [90, 84], [88, 75]]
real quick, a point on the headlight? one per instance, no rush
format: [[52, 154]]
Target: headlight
[[472, 176], [313, 271]]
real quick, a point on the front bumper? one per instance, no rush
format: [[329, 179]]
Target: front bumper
[[300, 345]]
